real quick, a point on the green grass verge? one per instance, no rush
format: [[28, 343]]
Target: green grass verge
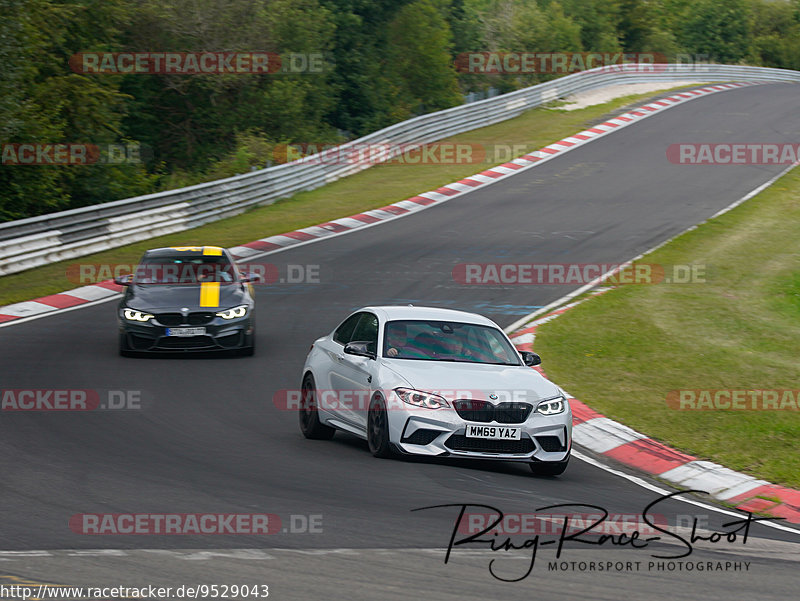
[[370, 189], [622, 352]]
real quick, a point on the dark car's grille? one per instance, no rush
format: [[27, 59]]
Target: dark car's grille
[[200, 319], [551, 444], [193, 319], [422, 436], [473, 410], [459, 442], [186, 342], [169, 319]]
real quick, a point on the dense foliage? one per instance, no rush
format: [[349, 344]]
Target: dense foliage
[[382, 61]]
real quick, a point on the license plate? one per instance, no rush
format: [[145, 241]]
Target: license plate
[[494, 432], [184, 332]]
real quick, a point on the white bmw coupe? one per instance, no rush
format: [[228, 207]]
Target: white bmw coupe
[[436, 382]]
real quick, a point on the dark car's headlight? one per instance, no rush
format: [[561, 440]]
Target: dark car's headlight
[[134, 315], [234, 313], [552, 406], [418, 398]]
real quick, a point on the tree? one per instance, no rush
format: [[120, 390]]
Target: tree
[[776, 34], [522, 26], [44, 102], [598, 20], [420, 60], [718, 28], [192, 120], [366, 96]]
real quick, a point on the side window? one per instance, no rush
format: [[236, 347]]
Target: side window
[[344, 333], [367, 330]]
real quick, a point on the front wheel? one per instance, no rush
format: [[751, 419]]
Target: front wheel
[[124, 349], [246, 351], [378, 429], [549, 468], [310, 425]]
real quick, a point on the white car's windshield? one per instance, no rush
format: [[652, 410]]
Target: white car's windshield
[[447, 341]]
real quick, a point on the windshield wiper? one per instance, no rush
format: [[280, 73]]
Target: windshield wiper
[[496, 363]]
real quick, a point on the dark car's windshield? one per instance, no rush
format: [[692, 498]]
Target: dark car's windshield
[[179, 269], [447, 341]]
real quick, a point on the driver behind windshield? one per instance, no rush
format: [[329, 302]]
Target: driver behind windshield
[[181, 270], [396, 339]]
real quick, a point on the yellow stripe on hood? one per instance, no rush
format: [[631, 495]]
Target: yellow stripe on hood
[[209, 294], [215, 251]]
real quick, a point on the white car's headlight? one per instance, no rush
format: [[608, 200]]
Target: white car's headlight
[[418, 398], [134, 315], [239, 311], [552, 406]]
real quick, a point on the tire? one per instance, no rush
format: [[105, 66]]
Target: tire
[[310, 425], [549, 468], [124, 351], [247, 351], [378, 430]]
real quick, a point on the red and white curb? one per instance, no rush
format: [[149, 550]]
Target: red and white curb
[[616, 441], [104, 291], [58, 303]]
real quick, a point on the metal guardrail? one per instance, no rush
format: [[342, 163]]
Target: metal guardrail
[[36, 241]]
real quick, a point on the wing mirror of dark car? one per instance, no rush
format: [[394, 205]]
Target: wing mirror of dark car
[[249, 277], [359, 349], [124, 280], [530, 359]]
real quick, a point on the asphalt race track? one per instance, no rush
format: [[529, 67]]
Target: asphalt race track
[[208, 437]]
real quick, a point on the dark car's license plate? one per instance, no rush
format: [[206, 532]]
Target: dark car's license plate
[[184, 332]]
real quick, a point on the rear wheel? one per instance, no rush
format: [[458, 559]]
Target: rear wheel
[[378, 429], [310, 425], [549, 468]]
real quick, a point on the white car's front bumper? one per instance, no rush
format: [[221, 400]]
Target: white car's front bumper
[[443, 432]]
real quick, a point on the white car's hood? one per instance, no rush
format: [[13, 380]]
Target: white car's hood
[[474, 380]]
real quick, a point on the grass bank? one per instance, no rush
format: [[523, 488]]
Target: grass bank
[[625, 351]]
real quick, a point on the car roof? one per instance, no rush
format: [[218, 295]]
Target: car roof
[[407, 312], [189, 251]]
